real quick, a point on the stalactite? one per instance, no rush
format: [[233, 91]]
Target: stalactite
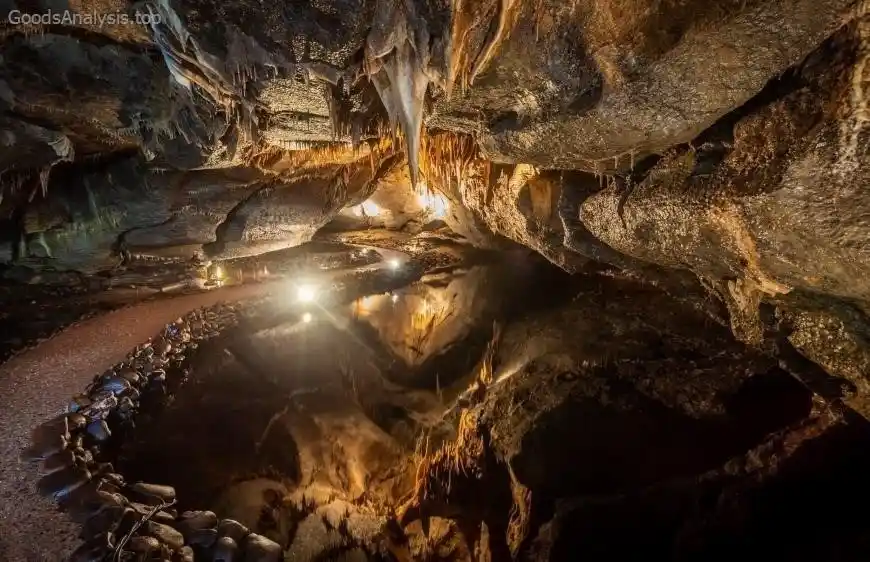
[[855, 125], [173, 21], [12, 183], [44, 175], [59, 142], [507, 17], [395, 59], [245, 55]]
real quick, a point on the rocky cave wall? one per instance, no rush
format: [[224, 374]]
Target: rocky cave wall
[[716, 151], [726, 140]]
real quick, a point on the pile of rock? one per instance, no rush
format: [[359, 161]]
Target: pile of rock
[[136, 521]]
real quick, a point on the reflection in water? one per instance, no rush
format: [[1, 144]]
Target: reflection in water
[[426, 318], [366, 209], [330, 396]]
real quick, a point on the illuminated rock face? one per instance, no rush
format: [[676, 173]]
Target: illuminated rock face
[[237, 87]]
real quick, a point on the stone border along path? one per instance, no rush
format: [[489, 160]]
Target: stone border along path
[[38, 381], [35, 385], [119, 518]]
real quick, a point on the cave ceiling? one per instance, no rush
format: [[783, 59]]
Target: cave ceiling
[[728, 139]]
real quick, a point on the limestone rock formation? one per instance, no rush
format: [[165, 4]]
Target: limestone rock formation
[[711, 157]]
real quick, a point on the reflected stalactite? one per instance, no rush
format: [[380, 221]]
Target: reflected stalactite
[[415, 326]]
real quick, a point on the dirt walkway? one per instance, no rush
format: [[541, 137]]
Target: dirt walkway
[[37, 384]]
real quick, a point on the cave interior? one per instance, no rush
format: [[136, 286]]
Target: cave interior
[[435, 280]]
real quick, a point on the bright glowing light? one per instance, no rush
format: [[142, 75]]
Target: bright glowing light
[[218, 272], [433, 203], [306, 317], [370, 208], [395, 264], [394, 298], [363, 305], [306, 293], [366, 209]]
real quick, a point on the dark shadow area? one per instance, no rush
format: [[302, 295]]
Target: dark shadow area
[[797, 511]]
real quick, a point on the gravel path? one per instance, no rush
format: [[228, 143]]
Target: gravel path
[[36, 386]]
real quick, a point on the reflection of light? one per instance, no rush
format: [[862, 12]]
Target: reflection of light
[[366, 209], [265, 271], [218, 272], [395, 264], [306, 293], [370, 208], [306, 317], [395, 298], [362, 305]]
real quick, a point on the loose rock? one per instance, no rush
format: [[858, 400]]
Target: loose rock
[[165, 534], [76, 421], [89, 499], [225, 550], [233, 529], [84, 456], [78, 402], [152, 492], [99, 430], [204, 538], [77, 442], [162, 347], [114, 478], [260, 549], [102, 402], [196, 520], [142, 544], [130, 375], [115, 385], [185, 555]]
